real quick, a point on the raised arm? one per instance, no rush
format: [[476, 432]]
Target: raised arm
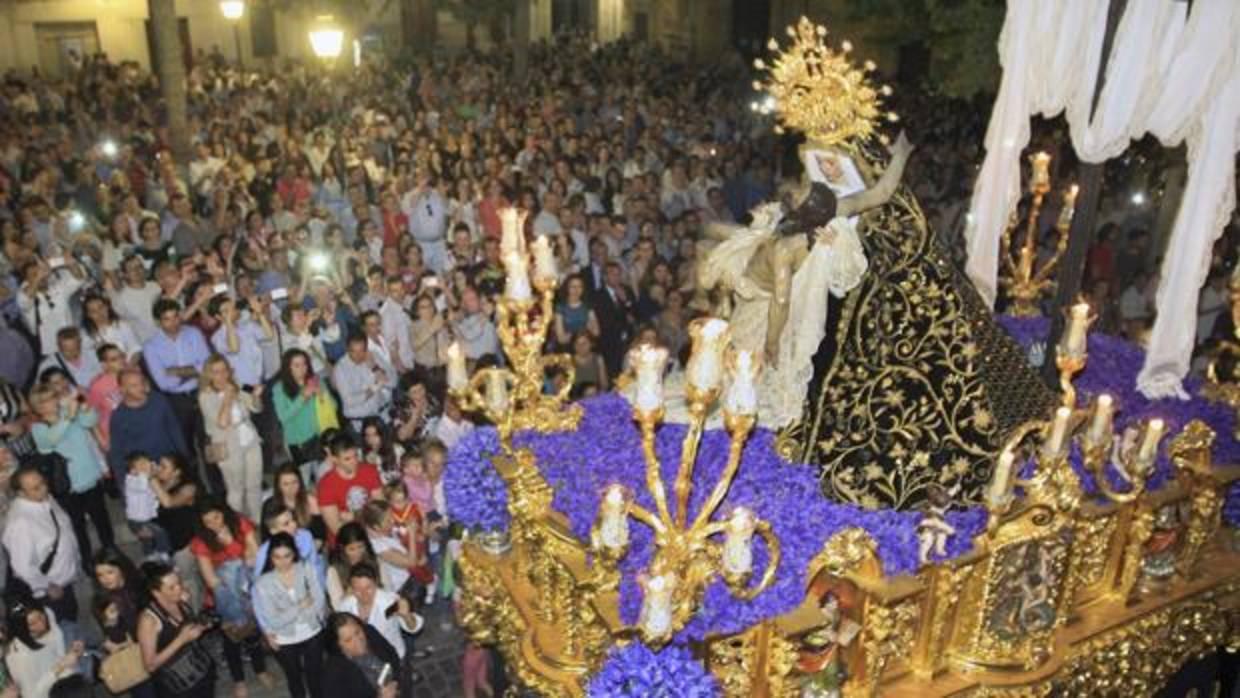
[[881, 192]]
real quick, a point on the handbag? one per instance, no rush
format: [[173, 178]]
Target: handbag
[[123, 669], [325, 412], [216, 452]]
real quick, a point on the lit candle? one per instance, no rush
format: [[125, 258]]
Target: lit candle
[[544, 260], [737, 548], [513, 237], [1149, 445], [458, 377], [1041, 170], [1059, 430], [742, 396], [1074, 341], [648, 363], [497, 392], [656, 614], [705, 368], [1000, 482], [1069, 206], [613, 529], [517, 287], [1100, 427]]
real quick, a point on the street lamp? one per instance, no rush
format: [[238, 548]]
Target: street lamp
[[233, 10], [326, 39]]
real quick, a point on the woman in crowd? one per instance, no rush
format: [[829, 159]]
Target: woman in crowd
[[120, 594], [170, 633], [103, 326], [574, 315], [226, 547], [226, 411], [360, 662], [177, 490], [379, 450], [384, 610], [64, 427], [590, 369], [303, 405], [151, 247], [430, 334], [40, 656], [414, 410], [290, 605], [290, 490], [352, 548]]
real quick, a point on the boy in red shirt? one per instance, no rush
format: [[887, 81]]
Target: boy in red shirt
[[348, 485]]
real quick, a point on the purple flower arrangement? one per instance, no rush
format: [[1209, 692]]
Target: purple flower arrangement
[[606, 449], [1112, 368], [636, 670]]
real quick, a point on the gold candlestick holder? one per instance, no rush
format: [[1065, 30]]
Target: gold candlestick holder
[[522, 327], [687, 557], [1020, 275]]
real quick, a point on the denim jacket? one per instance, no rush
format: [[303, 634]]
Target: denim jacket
[[280, 613]]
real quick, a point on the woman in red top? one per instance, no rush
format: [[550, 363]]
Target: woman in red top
[[395, 222], [226, 548]]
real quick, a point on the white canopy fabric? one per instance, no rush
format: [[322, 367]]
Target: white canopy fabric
[[1171, 74]]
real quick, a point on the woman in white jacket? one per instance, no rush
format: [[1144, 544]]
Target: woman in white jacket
[[39, 656]]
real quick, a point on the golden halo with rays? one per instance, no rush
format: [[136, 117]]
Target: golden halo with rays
[[818, 91]]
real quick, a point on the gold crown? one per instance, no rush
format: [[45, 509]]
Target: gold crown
[[818, 91]]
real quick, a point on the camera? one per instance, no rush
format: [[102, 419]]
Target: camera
[[206, 618]]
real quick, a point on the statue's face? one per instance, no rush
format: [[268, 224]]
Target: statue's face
[[829, 165]]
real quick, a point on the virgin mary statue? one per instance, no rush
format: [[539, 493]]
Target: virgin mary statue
[[889, 372]]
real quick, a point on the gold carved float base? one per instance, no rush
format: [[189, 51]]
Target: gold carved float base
[[1113, 649]]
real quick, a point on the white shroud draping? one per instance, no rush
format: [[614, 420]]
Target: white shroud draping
[[1171, 74]]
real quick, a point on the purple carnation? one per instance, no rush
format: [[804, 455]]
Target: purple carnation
[[636, 670], [606, 449], [475, 493]]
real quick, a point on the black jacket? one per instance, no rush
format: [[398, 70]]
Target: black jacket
[[341, 677]]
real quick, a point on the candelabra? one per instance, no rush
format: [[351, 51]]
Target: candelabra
[[1133, 455], [513, 397], [1024, 280], [686, 556]]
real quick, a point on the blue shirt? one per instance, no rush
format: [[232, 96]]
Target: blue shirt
[[162, 352], [247, 361], [72, 439], [152, 429]]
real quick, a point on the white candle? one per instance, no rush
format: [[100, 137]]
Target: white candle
[[517, 287], [458, 377], [1074, 341], [737, 548], [1149, 445], [742, 396], [648, 363], [1059, 430], [613, 529], [544, 260], [1041, 170], [999, 483], [705, 368], [1068, 210], [513, 238], [497, 392], [656, 614], [1100, 427]]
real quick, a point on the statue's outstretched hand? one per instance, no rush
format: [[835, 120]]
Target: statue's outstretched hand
[[902, 147]]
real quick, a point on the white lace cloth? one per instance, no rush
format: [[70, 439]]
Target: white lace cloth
[[1171, 74], [836, 267]]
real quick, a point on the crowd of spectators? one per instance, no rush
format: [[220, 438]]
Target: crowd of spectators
[[239, 356]]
